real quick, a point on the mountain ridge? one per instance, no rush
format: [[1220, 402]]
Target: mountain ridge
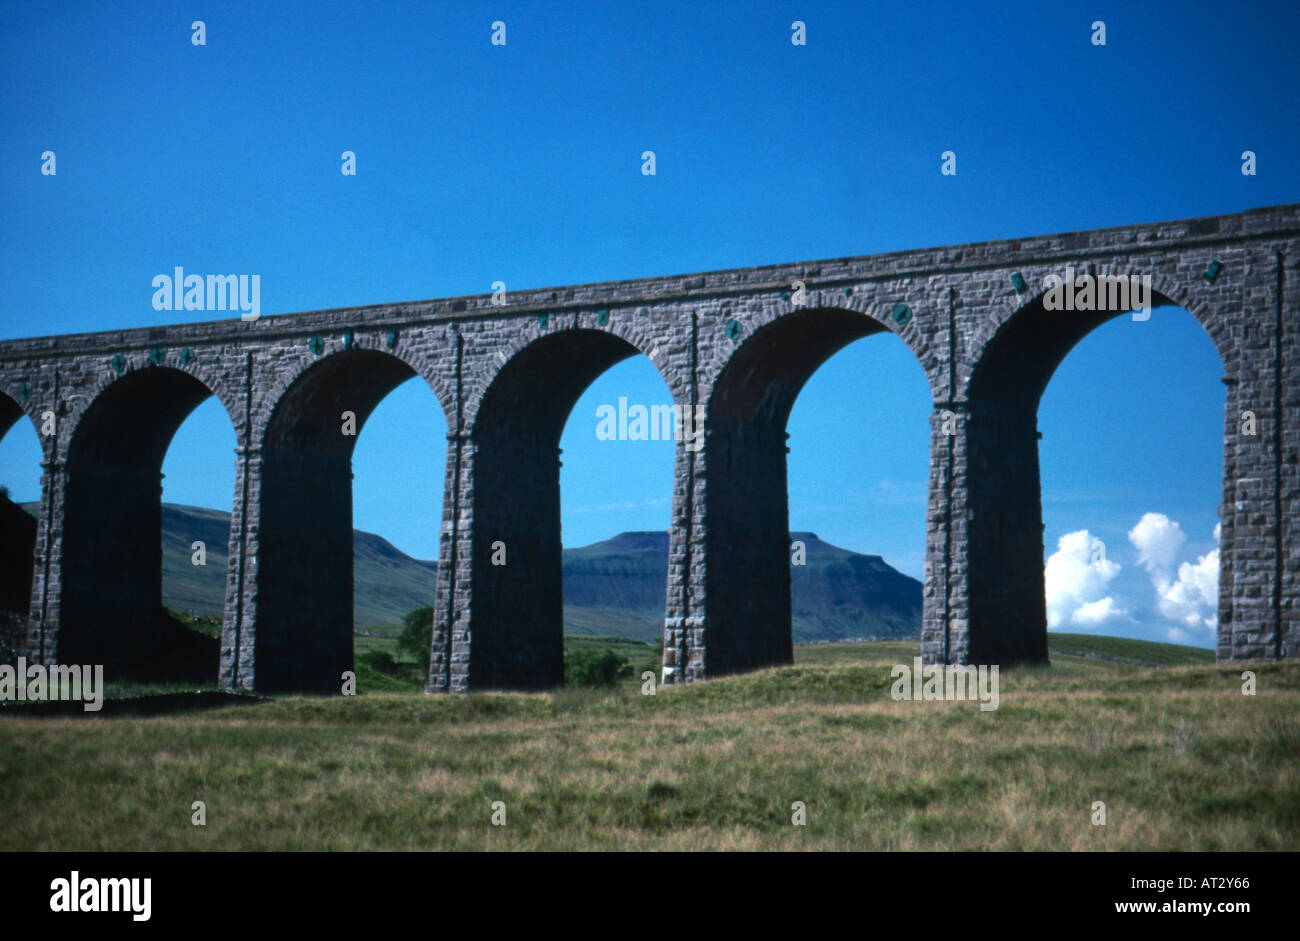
[[615, 586]]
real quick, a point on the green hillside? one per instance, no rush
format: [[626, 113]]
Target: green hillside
[[618, 586], [1125, 649], [612, 588], [387, 582]]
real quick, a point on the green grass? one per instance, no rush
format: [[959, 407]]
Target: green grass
[[377, 637], [1181, 758], [642, 656], [370, 681], [1126, 649]]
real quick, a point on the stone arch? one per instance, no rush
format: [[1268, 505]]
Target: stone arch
[[626, 325], [411, 348], [110, 595], [1017, 355], [872, 304], [764, 374], [517, 619], [1026, 333], [76, 402], [746, 495], [304, 572], [11, 410]]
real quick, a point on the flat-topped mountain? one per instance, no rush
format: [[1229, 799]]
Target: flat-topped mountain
[[615, 587], [835, 594]]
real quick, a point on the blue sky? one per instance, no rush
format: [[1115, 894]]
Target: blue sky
[[521, 163]]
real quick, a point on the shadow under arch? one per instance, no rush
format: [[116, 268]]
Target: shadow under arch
[[517, 618], [747, 514], [1004, 526], [304, 580], [110, 597]]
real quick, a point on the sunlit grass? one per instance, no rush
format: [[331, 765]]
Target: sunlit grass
[[1181, 759]]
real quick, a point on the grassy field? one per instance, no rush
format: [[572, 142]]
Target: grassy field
[[1181, 759]]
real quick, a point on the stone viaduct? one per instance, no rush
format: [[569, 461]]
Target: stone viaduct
[[741, 343]]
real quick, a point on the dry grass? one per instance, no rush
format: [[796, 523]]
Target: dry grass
[[1180, 758]]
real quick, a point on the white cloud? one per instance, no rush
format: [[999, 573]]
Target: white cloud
[[1077, 578], [1096, 612], [1191, 598], [1157, 540]]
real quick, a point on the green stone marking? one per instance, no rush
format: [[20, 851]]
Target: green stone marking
[[1018, 282], [392, 339], [543, 321], [316, 345], [785, 296], [848, 292], [24, 392], [349, 338], [902, 314], [156, 355], [733, 329], [118, 362], [187, 356], [1212, 272], [602, 317]]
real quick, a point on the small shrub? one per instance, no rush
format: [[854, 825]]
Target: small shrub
[[381, 661], [591, 668], [416, 639]]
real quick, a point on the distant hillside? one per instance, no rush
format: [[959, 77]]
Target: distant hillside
[[387, 582], [616, 587]]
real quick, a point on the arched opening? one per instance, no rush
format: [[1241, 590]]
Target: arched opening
[[1132, 468], [859, 440], [397, 521], [20, 494], [305, 571], [517, 617], [748, 576], [198, 481], [616, 482], [1008, 615], [111, 608]]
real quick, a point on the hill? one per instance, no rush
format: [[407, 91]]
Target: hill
[[387, 582], [617, 587], [612, 588]]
